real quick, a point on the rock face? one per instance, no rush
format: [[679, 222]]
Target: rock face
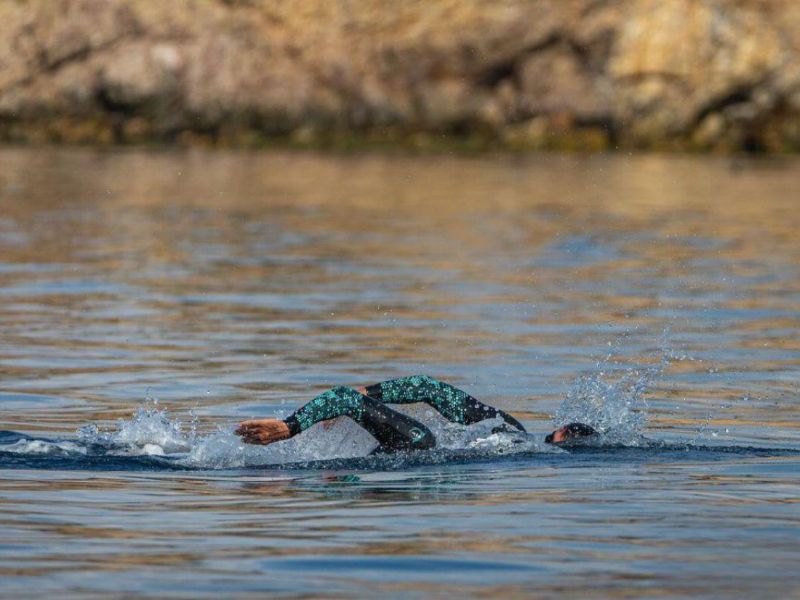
[[520, 73]]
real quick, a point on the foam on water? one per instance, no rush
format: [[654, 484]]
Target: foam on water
[[343, 439], [44, 447]]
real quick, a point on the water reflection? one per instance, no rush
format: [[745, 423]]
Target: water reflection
[[238, 283]]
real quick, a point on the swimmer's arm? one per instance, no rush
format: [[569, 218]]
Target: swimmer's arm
[[454, 404], [393, 430], [329, 405]]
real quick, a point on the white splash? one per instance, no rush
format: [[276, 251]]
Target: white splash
[[612, 399], [479, 436], [614, 404], [149, 432]]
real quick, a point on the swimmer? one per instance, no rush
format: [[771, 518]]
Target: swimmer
[[394, 430]]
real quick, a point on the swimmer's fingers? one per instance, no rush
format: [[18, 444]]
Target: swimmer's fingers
[[251, 425], [263, 431], [255, 438], [244, 430]]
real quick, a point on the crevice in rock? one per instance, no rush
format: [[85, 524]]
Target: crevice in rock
[[738, 95], [752, 144], [508, 69], [671, 78], [605, 122], [51, 67]]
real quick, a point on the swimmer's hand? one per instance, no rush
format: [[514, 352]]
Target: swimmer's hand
[[263, 431]]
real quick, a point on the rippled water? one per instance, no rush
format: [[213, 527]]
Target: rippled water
[[657, 297]]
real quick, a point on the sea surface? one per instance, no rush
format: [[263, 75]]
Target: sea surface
[[150, 299]]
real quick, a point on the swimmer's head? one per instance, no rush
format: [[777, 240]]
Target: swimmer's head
[[570, 432]]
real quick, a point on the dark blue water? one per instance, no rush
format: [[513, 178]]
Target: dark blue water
[[656, 298]]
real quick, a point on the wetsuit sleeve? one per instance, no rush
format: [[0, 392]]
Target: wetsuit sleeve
[[393, 430], [454, 404], [338, 402]]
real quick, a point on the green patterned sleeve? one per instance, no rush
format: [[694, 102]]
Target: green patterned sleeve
[[338, 402], [393, 430], [405, 390], [454, 404]]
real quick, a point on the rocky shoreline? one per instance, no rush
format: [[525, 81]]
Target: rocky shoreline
[[707, 75]]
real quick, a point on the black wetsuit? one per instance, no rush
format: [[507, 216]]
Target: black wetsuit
[[394, 430]]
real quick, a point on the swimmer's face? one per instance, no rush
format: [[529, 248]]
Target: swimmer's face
[[570, 432]]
